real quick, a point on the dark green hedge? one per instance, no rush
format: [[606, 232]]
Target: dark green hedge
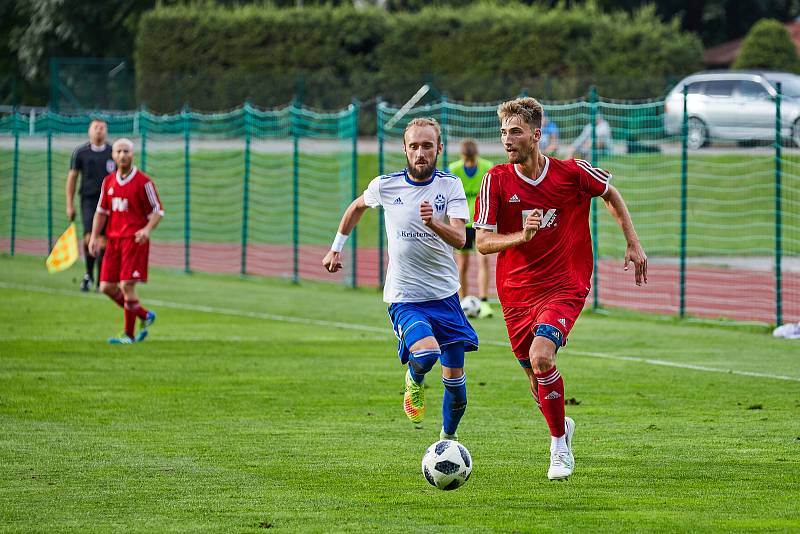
[[217, 58], [768, 45]]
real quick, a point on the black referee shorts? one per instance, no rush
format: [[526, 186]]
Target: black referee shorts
[[88, 207]]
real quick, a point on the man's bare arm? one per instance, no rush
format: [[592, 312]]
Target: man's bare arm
[[454, 234], [72, 179], [634, 251], [98, 223], [143, 234], [333, 259], [489, 242]]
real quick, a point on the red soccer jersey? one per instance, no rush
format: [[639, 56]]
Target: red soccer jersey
[[129, 202], [559, 257]]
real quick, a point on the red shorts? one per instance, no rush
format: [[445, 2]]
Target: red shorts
[[559, 310], [125, 260]]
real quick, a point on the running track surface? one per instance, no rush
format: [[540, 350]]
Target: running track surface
[[734, 293]]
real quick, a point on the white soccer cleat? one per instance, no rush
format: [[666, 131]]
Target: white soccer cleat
[[563, 462], [569, 427]]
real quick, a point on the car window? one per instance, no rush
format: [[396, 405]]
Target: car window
[[695, 88], [790, 85], [752, 90], [719, 88]]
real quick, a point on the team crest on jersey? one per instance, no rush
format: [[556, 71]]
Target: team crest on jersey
[[439, 202], [110, 165]]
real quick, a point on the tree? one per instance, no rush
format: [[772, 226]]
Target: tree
[[768, 46]]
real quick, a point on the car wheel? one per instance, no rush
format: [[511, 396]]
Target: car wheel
[[796, 132], [697, 135]]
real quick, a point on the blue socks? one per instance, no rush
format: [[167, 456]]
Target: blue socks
[[421, 362], [455, 389], [454, 403]]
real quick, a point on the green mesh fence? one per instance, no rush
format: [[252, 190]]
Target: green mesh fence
[[261, 191], [720, 225], [248, 191]]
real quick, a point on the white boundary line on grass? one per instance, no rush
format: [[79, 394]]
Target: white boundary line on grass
[[367, 328]]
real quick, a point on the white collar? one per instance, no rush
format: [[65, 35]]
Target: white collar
[[125, 180], [538, 180], [97, 148]]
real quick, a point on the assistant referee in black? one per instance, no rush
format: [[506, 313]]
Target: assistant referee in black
[[93, 162]]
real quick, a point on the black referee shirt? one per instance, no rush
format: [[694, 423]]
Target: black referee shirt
[[93, 166]]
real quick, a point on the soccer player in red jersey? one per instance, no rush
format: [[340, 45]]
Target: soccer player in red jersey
[[129, 203], [534, 211]]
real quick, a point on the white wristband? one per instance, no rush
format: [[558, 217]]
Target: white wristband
[[339, 241]]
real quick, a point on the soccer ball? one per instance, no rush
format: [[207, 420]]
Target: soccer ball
[[471, 306], [447, 464]]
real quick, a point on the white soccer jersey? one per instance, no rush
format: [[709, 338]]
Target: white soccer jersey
[[421, 264]]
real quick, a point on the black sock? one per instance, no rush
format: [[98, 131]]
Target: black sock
[[99, 264], [484, 299], [89, 261]]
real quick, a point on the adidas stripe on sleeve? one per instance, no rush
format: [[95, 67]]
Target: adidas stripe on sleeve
[[592, 180], [487, 204], [152, 198]]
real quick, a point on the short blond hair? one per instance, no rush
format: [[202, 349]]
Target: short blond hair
[[424, 121], [527, 108]]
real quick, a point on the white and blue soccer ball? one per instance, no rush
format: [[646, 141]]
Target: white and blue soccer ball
[[471, 306], [447, 464]]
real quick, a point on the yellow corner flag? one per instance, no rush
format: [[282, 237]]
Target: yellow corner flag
[[65, 251]]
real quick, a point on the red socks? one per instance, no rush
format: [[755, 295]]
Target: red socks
[[551, 399], [134, 310], [118, 298]]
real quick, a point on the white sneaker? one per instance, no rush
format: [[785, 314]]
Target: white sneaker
[[563, 462]]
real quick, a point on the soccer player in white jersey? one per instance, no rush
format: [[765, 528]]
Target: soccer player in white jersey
[[426, 213]]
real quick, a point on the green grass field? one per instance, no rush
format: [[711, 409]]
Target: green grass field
[[258, 404], [730, 206]]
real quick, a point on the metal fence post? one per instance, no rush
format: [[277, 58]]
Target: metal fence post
[[246, 187], [143, 131], [778, 214], [14, 180], [49, 187], [444, 132], [595, 240], [684, 193], [354, 187], [186, 190], [294, 111], [381, 172]]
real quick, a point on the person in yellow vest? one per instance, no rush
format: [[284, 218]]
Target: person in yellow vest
[[470, 169]]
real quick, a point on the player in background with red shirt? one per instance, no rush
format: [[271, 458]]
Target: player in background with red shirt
[[534, 211], [129, 203]]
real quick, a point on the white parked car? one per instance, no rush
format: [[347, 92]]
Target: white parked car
[[735, 105]]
